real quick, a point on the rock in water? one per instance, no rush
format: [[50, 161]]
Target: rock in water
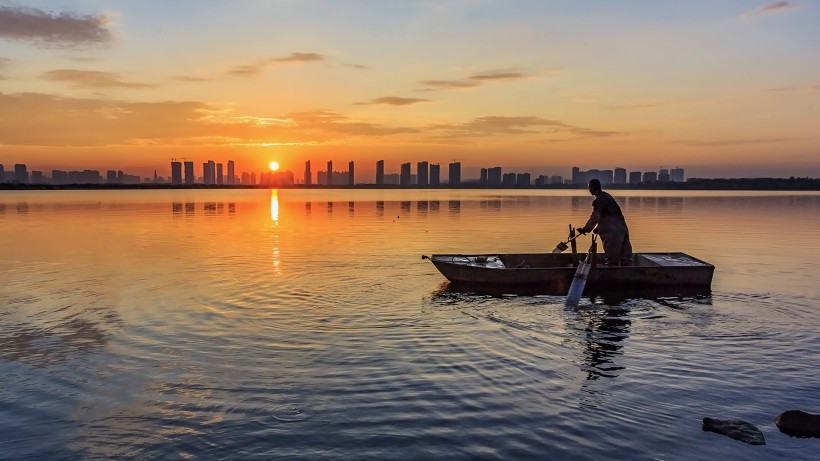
[[736, 429], [798, 423]]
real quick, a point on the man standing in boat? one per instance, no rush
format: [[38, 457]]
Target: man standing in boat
[[611, 226]]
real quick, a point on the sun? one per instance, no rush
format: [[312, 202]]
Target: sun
[[274, 166]]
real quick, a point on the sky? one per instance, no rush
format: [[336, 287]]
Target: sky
[[722, 88]]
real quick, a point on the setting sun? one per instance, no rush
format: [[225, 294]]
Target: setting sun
[[274, 166]]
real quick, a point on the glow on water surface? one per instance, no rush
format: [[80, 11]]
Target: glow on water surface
[[304, 325]]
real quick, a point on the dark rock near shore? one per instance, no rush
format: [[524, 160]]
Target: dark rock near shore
[[736, 429], [797, 423]]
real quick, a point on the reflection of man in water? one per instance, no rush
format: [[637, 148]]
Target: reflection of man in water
[[607, 216]]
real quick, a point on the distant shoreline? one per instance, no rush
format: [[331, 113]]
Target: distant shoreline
[[738, 184]]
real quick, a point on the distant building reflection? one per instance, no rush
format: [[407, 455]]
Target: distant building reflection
[[380, 208], [422, 206], [210, 208], [434, 205], [329, 207], [351, 207], [454, 206], [405, 205], [308, 207]]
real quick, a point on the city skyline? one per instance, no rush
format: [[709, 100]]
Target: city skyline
[[725, 89]]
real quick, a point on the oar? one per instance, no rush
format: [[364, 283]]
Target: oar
[[562, 246], [579, 281]]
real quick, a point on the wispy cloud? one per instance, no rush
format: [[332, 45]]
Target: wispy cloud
[[497, 76], [358, 66], [106, 122], [393, 101], [775, 7], [737, 142], [450, 84], [475, 80], [526, 125], [189, 78], [251, 70], [49, 29], [93, 79]]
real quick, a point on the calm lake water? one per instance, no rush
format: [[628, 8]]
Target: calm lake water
[[293, 324]]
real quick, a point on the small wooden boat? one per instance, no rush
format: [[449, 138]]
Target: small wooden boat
[[552, 273]]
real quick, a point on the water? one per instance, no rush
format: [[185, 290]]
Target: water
[[292, 324]]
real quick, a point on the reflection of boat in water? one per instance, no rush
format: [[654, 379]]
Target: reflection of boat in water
[[551, 273]]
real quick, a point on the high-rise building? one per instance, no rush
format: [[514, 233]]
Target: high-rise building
[[231, 173], [351, 175], [556, 179], [650, 176], [404, 178], [308, 174], [620, 176], [663, 175], [380, 172], [435, 175], [483, 179], [37, 177], [494, 176], [422, 173], [677, 174], [523, 180], [111, 177], [206, 173], [508, 180], [2, 173], [330, 173], [189, 173], [176, 172], [220, 178], [454, 180], [212, 172], [20, 173], [634, 177]]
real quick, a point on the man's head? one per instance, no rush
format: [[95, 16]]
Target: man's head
[[594, 186]]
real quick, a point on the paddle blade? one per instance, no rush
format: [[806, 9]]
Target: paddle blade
[[560, 248], [579, 281]]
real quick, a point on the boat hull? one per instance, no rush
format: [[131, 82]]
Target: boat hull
[[553, 273]]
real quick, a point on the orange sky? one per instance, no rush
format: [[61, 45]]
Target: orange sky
[[721, 90]]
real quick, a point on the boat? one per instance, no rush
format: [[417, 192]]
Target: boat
[[552, 273]]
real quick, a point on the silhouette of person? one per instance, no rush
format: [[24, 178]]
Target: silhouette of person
[[611, 226]]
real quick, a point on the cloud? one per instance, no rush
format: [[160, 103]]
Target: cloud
[[394, 101], [300, 57], [358, 66], [737, 142], [497, 76], [525, 125], [189, 78], [254, 69], [477, 80], [92, 79], [775, 7], [36, 119], [44, 28], [450, 84]]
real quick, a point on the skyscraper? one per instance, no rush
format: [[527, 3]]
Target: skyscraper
[[404, 178], [308, 174], [351, 174], [176, 172], [435, 175], [620, 176], [220, 178], [330, 173], [423, 174], [677, 174], [663, 175], [380, 172], [189, 173], [455, 174], [20, 173], [231, 173], [634, 177], [494, 176], [2, 174]]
